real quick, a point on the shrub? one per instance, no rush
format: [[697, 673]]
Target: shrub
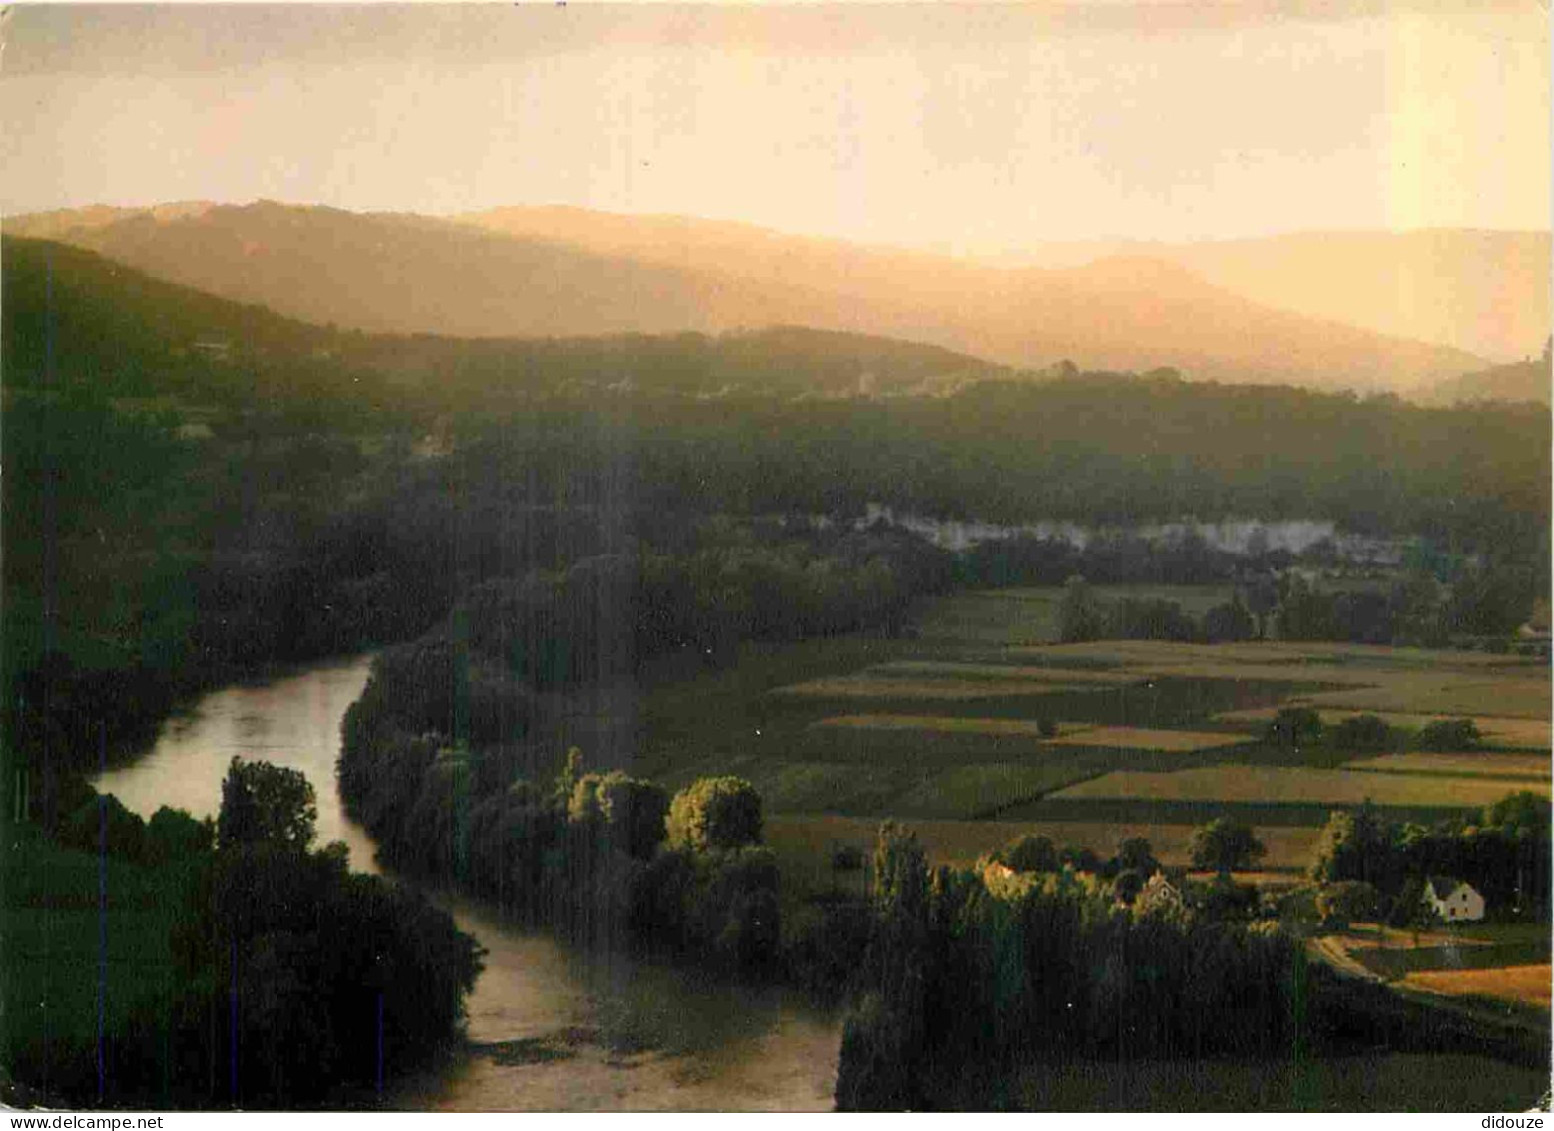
[[104, 822], [1449, 735], [1342, 903], [628, 811], [1362, 732], [715, 813], [1031, 854], [174, 835], [1293, 726], [1224, 845]]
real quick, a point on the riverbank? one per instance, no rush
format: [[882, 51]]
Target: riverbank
[[548, 1027]]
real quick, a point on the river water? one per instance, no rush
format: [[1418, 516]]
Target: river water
[[550, 1028]]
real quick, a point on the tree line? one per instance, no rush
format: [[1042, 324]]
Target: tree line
[[295, 982]]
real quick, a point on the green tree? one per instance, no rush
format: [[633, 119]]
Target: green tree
[[1362, 732], [1224, 845], [1356, 846], [173, 835], [1081, 615], [1262, 598], [1449, 735], [1031, 854], [1136, 854], [1228, 622], [629, 812], [266, 804], [884, 1036], [1523, 813], [1346, 902], [715, 813], [1294, 726]]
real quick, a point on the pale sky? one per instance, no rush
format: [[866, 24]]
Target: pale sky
[[976, 127]]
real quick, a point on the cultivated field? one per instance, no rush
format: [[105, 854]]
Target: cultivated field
[[950, 669], [1529, 984], [942, 728], [944, 724], [865, 686], [1142, 738], [1287, 784], [1531, 768]]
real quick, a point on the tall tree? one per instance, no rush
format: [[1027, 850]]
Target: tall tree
[[263, 804]]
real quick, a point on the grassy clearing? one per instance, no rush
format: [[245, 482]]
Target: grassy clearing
[[1527, 984], [1356, 677], [1142, 738], [1358, 659], [59, 952], [1029, 615], [962, 791], [1506, 697], [1287, 785], [1455, 955], [1381, 1082], [944, 724], [1259, 814], [865, 687], [980, 671], [1509, 766]]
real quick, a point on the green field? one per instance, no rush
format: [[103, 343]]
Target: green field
[[63, 957], [1391, 1082], [940, 727], [1296, 785]]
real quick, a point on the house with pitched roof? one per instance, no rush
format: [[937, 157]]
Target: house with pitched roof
[[1453, 900]]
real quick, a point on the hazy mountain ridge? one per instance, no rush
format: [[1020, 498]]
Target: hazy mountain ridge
[[142, 335], [1527, 380], [1103, 308], [563, 272], [1486, 292]]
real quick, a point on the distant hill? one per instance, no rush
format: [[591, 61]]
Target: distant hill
[[1483, 292], [91, 319], [1527, 380], [558, 272], [70, 314]]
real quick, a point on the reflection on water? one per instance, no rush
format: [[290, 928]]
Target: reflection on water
[[554, 1029], [292, 722], [550, 1028]]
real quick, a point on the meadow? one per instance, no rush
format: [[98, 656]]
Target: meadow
[[1528, 984], [945, 723], [68, 966]]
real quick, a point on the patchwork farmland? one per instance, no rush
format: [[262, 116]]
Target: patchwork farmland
[[980, 728]]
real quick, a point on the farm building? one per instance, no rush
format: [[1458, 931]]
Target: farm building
[[1158, 894], [1453, 900]]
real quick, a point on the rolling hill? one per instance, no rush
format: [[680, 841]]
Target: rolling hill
[[1479, 291], [73, 315], [550, 272], [1527, 380]]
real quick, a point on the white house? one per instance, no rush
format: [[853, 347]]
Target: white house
[[1453, 900]]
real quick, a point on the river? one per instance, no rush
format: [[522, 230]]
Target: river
[[550, 1028]]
